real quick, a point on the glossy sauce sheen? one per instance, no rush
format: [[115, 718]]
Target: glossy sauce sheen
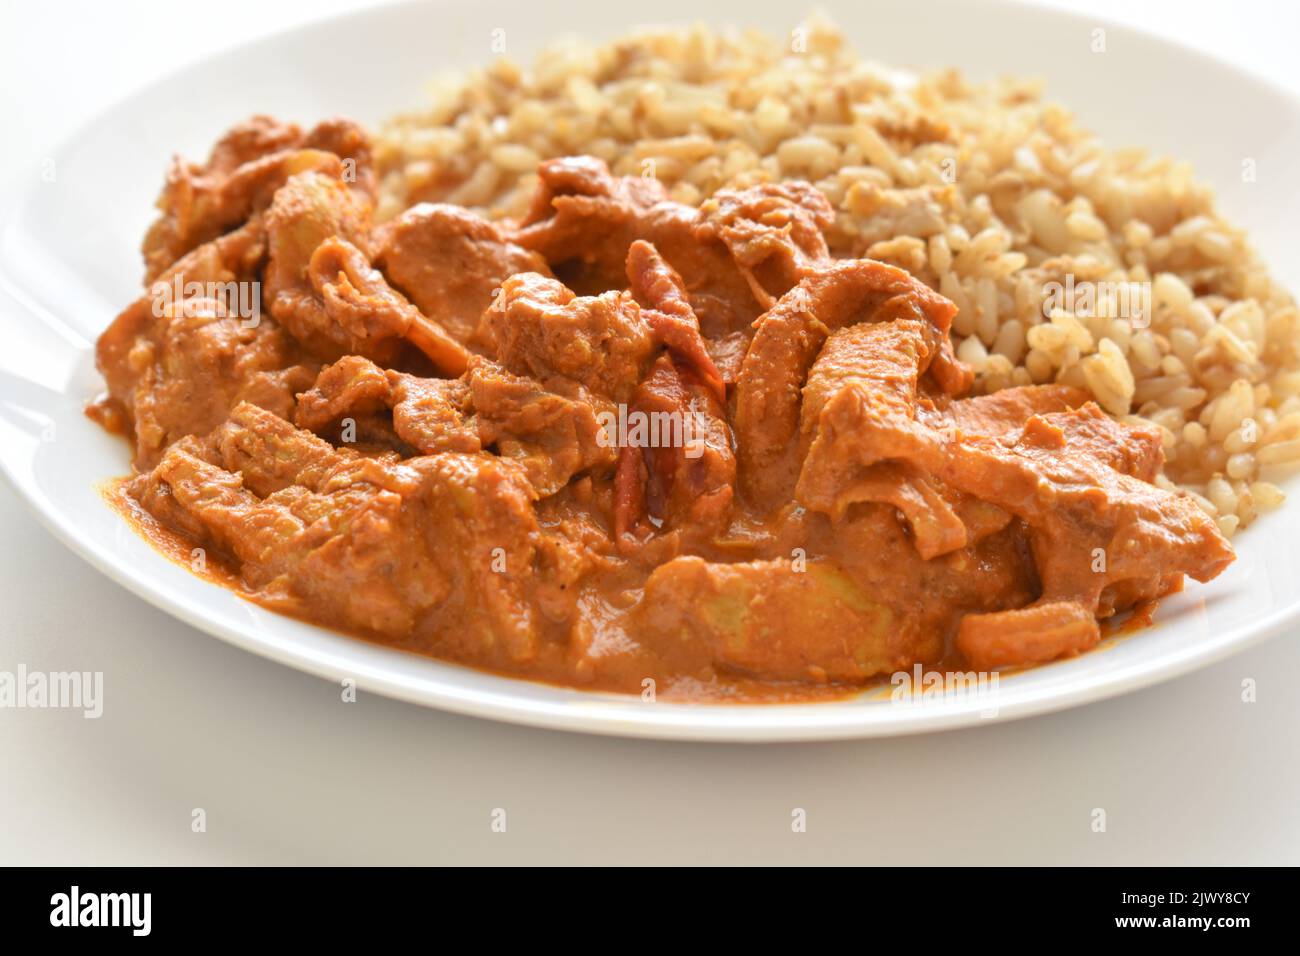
[[621, 444]]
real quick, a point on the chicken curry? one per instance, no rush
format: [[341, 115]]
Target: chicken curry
[[619, 439]]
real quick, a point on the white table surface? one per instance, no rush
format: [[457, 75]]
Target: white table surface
[[288, 773]]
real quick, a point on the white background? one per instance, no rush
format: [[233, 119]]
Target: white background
[[287, 773]]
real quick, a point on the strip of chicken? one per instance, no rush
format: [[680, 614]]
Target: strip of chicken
[[762, 619], [322, 288], [367, 542], [450, 263], [345, 550], [736, 254], [366, 316], [552, 437], [175, 367], [788, 339], [541, 329], [1102, 535], [740, 243], [242, 174]]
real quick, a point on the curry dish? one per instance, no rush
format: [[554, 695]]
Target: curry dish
[[618, 438]]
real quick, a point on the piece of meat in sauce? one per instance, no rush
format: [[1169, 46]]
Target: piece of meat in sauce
[[245, 168], [450, 263], [553, 437], [765, 620], [367, 542], [1102, 535], [355, 403], [175, 366], [736, 254], [540, 328], [322, 288], [885, 360], [844, 601], [790, 336]]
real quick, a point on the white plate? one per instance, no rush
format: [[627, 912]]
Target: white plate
[[68, 263]]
